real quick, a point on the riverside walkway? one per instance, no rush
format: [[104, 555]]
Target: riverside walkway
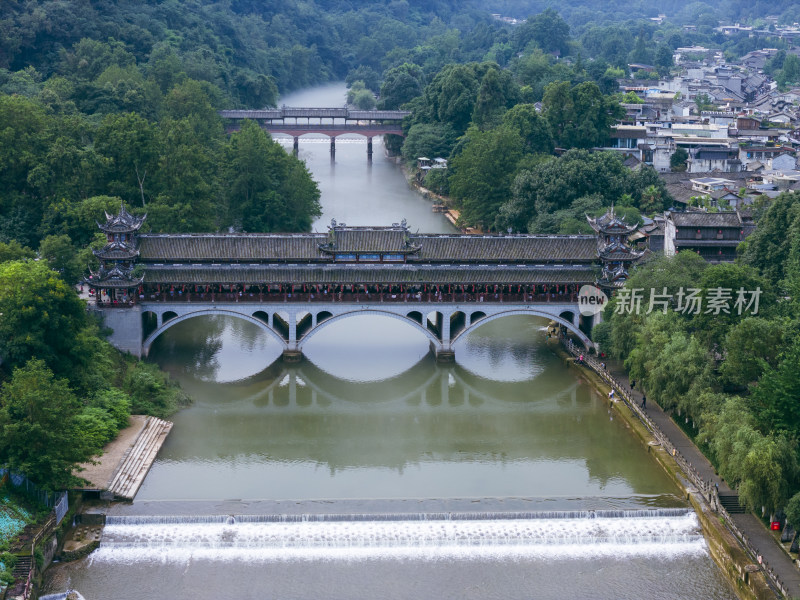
[[760, 543]]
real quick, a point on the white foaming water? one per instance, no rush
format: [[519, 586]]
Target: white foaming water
[[232, 539]]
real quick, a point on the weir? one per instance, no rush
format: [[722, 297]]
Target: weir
[[425, 516], [350, 536]]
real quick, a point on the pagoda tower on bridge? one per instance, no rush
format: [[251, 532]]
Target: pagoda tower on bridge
[[615, 253], [114, 282]]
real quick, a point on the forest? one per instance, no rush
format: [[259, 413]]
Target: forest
[[105, 102]]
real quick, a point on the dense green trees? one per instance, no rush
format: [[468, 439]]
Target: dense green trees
[[41, 434], [64, 392], [580, 116], [577, 111], [555, 185], [531, 127], [401, 84], [65, 169], [268, 190], [547, 31], [481, 175], [121, 50], [465, 100], [769, 247], [731, 376], [42, 318], [428, 140]]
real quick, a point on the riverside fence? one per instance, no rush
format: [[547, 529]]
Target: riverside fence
[[58, 501]]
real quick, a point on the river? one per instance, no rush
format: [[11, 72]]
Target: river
[[504, 475]]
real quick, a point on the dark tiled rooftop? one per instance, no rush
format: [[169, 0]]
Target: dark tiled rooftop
[[190, 248], [706, 219]]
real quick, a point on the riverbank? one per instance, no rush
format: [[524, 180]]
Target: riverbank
[[441, 204], [746, 575]]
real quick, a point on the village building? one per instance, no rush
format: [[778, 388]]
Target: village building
[[713, 235]]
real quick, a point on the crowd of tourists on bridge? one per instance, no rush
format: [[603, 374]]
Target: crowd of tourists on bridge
[[340, 293]]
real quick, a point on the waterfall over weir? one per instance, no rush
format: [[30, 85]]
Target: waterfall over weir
[[352, 537]]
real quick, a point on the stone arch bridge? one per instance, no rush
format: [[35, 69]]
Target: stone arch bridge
[[294, 324]]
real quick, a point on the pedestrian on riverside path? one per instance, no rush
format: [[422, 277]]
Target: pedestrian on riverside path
[[633, 383], [644, 401]]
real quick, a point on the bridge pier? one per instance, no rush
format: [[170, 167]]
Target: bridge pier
[[296, 146], [292, 356], [126, 328], [444, 354], [369, 148], [333, 145], [445, 357]]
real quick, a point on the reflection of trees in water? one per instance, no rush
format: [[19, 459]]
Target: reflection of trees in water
[[191, 347], [197, 347], [248, 337]]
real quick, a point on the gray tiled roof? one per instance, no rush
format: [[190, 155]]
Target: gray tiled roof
[[372, 240], [366, 274], [232, 247], [193, 248], [705, 219], [507, 248]]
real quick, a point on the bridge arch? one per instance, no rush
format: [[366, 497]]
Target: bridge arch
[[531, 312], [368, 311], [209, 312]]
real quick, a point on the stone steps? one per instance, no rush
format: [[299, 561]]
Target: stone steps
[[22, 568], [134, 467], [730, 502]]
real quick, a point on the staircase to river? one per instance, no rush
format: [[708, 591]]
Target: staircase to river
[[730, 502], [131, 472]]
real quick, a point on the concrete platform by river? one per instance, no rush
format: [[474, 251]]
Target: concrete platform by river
[[120, 470]]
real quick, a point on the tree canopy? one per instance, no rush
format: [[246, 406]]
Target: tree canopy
[[730, 374]]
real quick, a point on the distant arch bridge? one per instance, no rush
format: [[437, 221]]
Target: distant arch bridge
[[331, 122]]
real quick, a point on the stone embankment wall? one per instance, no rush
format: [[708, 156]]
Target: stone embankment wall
[[748, 579]]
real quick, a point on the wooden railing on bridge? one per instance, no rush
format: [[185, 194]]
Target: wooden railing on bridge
[[345, 297], [709, 492], [316, 113]]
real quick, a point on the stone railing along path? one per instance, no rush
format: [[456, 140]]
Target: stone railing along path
[[754, 536]]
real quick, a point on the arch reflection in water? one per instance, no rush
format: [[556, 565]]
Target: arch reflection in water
[[366, 348], [215, 349], [427, 431]]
